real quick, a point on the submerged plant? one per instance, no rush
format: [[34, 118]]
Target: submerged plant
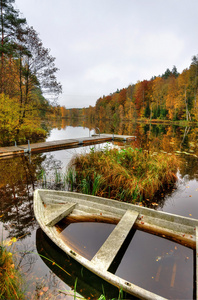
[[42, 178], [58, 178]]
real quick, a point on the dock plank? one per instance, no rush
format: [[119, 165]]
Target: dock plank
[[108, 251], [59, 144]]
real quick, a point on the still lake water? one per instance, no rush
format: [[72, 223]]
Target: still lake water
[[149, 261]]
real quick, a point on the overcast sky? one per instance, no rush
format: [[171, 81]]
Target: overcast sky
[[104, 45]]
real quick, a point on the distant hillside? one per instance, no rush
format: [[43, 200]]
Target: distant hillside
[[171, 96]]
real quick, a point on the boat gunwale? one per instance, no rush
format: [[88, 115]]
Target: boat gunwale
[[111, 278], [124, 206]]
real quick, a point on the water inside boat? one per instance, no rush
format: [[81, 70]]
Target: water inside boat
[[151, 262]]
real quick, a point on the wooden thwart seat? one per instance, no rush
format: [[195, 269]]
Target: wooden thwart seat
[[56, 212], [106, 254]]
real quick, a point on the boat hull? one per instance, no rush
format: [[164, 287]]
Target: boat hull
[[91, 208]]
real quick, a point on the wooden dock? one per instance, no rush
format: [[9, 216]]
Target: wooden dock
[[60, 144]]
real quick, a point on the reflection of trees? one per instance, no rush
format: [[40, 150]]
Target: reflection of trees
[[17, 183], [153, 137], [18, 178], [189, 167], [26, 258], [171, 139], [168, 138]]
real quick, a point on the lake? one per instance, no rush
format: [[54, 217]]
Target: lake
[[149, 261]]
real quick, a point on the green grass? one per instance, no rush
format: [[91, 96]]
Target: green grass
[[127, 175]]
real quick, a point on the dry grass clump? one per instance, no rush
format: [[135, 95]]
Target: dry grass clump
[[127, 174], [10, 279]]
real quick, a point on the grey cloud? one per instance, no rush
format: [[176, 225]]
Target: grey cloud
[[102, 45]]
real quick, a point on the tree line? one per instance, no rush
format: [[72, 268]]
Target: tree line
[[170, 96], [28, 83]]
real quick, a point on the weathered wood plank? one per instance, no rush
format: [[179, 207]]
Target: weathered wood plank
[[56, 212], [106, 254], [60, 144]]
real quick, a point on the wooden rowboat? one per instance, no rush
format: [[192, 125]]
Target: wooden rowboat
[[50, 207]]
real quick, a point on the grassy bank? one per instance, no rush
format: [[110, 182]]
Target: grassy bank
[[127, 175], [10, 278]]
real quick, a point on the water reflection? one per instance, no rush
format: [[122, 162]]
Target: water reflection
[[158, 265], [19, 177], [82, 236]]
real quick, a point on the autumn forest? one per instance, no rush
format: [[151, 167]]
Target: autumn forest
[[29, 88], [170, 96], [28, 84]]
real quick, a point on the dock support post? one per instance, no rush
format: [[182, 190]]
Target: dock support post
[[29, 149], [98, 130], [15, 143]]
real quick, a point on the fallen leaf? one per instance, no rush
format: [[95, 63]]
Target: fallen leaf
[[190, 196], [45, 288], [9, 243], [190, 214]]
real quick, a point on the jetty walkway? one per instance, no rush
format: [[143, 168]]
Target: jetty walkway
[[60, 144]]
